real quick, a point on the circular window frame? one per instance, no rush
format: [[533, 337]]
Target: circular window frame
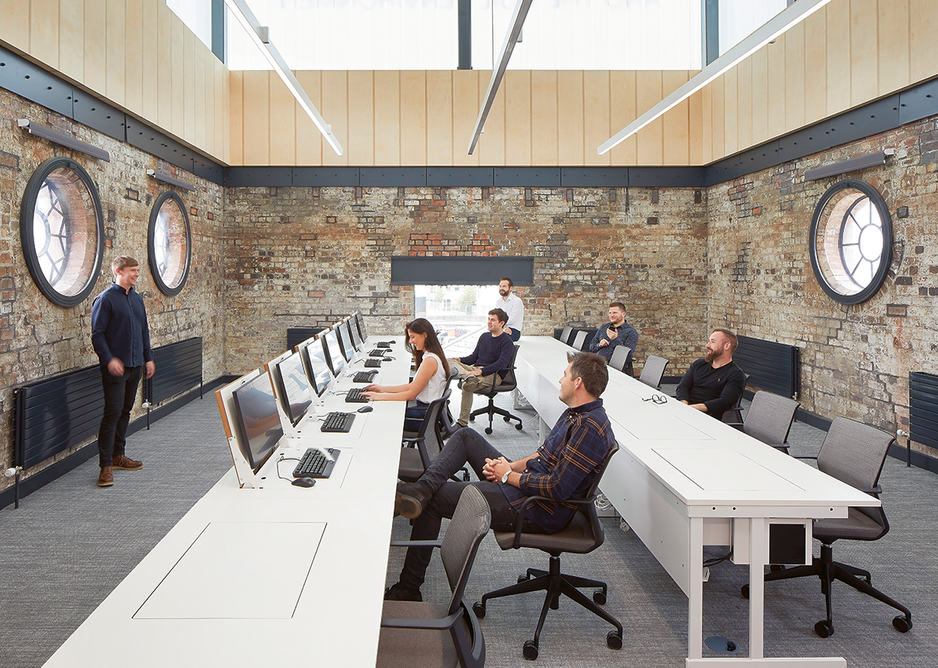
[[885, 259], [27, 239], [151, 249]]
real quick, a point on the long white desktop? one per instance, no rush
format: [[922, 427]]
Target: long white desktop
[[273, 576], [683, 480]]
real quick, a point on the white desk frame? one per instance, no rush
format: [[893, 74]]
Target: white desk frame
[[677, 512], [338, 617]]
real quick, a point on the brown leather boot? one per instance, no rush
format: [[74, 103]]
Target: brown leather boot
[[106, 479], [125, 463]]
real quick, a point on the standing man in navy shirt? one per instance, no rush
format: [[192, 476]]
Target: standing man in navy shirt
[[121, 338]]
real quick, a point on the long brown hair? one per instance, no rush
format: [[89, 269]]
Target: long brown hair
[[431, 345]]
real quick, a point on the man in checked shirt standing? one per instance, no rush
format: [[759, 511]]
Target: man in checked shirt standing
[[563, 468]]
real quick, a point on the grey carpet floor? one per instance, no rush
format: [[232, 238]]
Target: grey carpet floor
[[70, 544]]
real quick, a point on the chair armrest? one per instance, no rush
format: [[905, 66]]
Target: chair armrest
[[416, 543], [805, 456], [440, 624], [531, 499], [735, 425]]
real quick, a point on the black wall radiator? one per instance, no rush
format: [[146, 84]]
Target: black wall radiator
[[771, 366]]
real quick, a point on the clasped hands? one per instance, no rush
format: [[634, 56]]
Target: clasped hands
[[494, 469]]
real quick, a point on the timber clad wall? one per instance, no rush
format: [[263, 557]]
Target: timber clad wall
[[303, 257], [39, 339]]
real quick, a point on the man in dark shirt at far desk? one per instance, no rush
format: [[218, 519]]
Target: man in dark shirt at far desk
[[121, 338], [617, 333], [487, 364], [715, 383], [563, 468]]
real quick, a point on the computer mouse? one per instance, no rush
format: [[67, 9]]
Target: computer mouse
[[387, 359], [304, 482], [365, 409]]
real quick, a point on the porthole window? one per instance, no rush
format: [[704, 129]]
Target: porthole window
[[169, 243], [62, 231], [851, 241]]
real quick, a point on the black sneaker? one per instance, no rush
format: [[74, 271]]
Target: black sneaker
[[398, 592]]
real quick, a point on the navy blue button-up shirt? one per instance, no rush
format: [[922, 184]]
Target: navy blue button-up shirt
[[565, 467], [119, 327]]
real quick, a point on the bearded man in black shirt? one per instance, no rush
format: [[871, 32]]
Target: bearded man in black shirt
[[715, 383]]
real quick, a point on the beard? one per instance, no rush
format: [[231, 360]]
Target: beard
[[711, 355], [503, 293]]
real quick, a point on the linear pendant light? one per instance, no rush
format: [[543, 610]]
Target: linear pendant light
[[777, 25], [260, 36]]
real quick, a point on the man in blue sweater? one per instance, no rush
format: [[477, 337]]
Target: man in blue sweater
[[121, 338], [487, 364]]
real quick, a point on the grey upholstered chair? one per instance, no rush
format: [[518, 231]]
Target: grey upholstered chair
[[416, 634], [853, 453], [508, 384], [622, 359], [653, 371], [423, 448], [565, 334], [583, 534], [769, 419], [579, 341]]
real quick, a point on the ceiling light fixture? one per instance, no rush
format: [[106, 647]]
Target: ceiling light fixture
[[260, 35], [62, 139], [513, 36], [774, 27], [171, 180]]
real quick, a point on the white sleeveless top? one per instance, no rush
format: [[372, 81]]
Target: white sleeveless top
[[434, 388]]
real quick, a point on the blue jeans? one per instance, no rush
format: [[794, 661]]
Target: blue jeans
[[414, 415]]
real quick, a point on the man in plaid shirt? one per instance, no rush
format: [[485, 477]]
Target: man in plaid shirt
[[563, 468]]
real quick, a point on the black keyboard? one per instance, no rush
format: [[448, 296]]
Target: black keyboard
[[372, 362], [384, 344], [313, 464], [378, 352], [364, 376], [338, 422], [354, 396]]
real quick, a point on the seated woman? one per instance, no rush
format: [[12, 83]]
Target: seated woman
[[428, 382]]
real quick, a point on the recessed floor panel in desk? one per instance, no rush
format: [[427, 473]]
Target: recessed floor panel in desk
[[238, 570], [721, 470]]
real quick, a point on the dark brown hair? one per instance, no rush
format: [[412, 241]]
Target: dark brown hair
[[511, 283], [431, 345], [592, 369], [500, 314], [618, 305]]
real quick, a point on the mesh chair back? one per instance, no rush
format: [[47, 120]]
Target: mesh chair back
[[579, 340], [620, 357], [769, 418], [565, 335], [653, 371], [428, 434], [854, 453], [509, 382], [466, 530]]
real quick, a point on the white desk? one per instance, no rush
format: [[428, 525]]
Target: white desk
[[683, 480], [228, 585]]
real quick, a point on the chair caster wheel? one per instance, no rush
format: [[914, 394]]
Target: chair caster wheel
[[775, 568], [824, 629], [901, 624], [530, 650], [479, 608], [507, 419], [518, 426], [613, 640], [465, 477], [599, 598], [488, 430], [744, 590], [524, 577]]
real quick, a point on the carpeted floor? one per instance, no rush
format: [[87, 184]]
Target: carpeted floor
[[70, 543]]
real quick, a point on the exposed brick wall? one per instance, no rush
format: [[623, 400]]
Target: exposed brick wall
[[39, 339], [855, 359], [303, 257]]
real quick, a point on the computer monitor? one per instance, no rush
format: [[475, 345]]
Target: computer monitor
[[333, 353], [292, 387], [360, 321], [356, 337], [314, 361], [345, 339], [257, 420]]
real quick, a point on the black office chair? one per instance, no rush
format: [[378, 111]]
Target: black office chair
[[583, 534], [853, 453], [507, 385], [446, 418], [423, 448], [622, 360], [415, 634], [653, 371], [769, 419]]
